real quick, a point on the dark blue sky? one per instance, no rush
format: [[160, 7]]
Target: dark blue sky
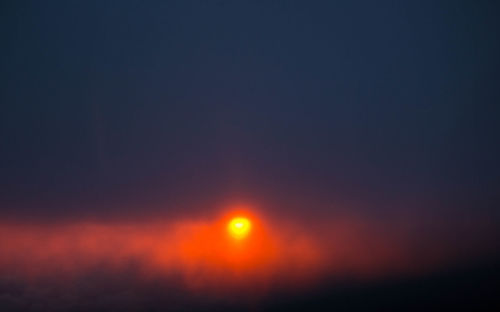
[[142, 107]]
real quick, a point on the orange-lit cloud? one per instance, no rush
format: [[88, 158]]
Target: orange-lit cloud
[[241, 249], [202, 251]]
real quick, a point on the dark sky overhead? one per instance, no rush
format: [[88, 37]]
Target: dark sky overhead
[[350, 100], [385, 113]]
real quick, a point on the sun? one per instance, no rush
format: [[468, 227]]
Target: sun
[[239, 228]]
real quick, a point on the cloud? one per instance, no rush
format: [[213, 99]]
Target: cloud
[[182, 262]]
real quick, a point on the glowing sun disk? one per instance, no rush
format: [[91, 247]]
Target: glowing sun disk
[[239, 228]]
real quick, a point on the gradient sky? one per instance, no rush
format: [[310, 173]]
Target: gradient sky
[[382, 112], [387, 105]]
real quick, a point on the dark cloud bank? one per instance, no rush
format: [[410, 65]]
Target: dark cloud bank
[[474, 288]]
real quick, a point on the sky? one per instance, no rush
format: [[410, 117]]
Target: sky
[[363, 136]]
